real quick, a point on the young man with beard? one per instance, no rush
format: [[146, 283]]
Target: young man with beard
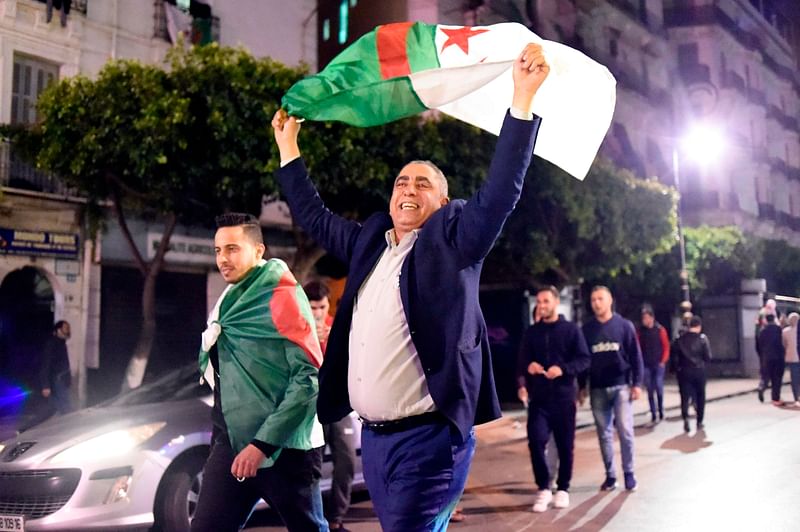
[[615, 380], [261, 355], [553, 353]]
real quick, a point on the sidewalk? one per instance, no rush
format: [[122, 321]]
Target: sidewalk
[[716, 389]]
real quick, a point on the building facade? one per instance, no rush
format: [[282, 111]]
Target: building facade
[[51, 266]]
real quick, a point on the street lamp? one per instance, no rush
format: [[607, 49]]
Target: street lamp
[[702, 144]]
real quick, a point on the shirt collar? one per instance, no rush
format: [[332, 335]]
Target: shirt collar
[[409, 239]]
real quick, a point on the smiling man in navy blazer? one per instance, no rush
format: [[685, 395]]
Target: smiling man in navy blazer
[[408, 350]]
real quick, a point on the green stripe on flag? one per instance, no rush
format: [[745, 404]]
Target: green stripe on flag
[[421, 47], [363, 105]]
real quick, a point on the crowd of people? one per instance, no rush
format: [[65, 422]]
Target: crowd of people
[[408, 352]]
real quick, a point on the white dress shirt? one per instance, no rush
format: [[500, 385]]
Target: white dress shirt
[[385, 377]]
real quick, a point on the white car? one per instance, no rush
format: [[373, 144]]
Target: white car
[[133, 462]]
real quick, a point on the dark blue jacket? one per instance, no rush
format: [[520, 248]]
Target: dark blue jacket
[[438, 281], [616, 356], [561, 344], [769, 343]]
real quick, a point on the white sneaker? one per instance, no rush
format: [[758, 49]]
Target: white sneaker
[[561, 500], [542, 501]]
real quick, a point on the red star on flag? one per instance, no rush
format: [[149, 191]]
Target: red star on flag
[[460, 37]]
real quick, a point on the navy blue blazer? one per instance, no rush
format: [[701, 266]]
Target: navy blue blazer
[[438, 281]]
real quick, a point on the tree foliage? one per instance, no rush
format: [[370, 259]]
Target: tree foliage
[[565, 230], [779, 264]]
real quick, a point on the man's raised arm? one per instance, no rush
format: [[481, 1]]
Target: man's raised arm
[[334, 233]]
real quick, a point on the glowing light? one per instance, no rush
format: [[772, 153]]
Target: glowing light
[[110, 444], [703, 143]]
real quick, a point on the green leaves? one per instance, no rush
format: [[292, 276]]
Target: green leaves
[[171, 140]]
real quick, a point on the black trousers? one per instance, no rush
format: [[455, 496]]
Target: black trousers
[[556, 417], [290, 487], [774, 373], [692, 385]]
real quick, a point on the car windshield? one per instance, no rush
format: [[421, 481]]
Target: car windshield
[[183, 383]]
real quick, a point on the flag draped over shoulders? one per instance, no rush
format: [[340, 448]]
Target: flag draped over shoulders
[[401, 69], [269, 357]]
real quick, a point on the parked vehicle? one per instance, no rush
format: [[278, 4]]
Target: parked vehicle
[[132, 462]]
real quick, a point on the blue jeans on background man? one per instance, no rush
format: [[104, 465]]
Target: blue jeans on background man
[[654, 382], [612, 407], [794, 372], [416, 476]]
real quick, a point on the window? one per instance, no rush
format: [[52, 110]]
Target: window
[[326, 29], [30, 77], [344, 22], [688, 55]]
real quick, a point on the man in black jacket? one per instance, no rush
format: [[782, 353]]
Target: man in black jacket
[[769, 345], [552, 353], [689, 354], [55, 373]]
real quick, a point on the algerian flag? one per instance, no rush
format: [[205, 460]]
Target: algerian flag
[[401, 69]]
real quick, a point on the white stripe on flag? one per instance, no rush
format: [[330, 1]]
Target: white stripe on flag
[[576, 102]]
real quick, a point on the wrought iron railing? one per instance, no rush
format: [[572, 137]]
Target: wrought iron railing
[[15, 173]]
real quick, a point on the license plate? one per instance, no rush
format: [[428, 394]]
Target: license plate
[[15, 523]]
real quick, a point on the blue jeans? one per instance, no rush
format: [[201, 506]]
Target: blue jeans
[[612, 407], [654, 382], [416, 476], [794, 372]]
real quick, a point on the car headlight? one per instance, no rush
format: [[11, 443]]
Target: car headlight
[[109, 444]]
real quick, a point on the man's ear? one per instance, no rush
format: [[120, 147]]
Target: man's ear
[[444, 201], [260, 250]]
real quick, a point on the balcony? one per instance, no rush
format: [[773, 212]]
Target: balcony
[[695, 73], [697, 200], [779, 165], [766, 211], [789, 122], [642, 16], [706, 15], [732, 80], [18, 174], [783, 219], [756, 96]]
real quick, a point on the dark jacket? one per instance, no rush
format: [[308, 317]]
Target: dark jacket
[[769, 343], [616, 356], [690, 351], [438, 281], [654, 344], [561, 344], [55, 363]]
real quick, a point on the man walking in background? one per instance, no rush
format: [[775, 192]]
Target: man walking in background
[[56, 377], [690, 354], [339, 435], [615, 380], [769, 345], [654, 343], [552, 354]]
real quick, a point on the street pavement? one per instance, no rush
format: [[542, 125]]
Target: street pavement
[[741, 473]]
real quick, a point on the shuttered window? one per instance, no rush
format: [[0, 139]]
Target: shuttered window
[[31, 76]]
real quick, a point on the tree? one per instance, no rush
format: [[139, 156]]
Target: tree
[[187, 142], [778, 264], [717, 259], [175, 145], [564, 230]]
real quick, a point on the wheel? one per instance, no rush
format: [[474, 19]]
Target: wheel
[[176, 499]]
